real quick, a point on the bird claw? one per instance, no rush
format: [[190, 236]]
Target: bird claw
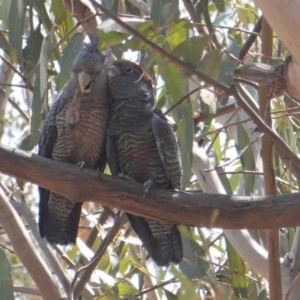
[[83, 164], [147, 186]]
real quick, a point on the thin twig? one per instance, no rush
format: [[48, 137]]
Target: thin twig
[[26, 290], [182, 99], [13, 85], [241, 172], [294, 283], [225, 89], [28, 84], [18, 108], [217, 130], [88, 269], [157, 286], [237, 157], [252, 38]]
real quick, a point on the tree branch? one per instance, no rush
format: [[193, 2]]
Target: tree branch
[[25, 250], [189, 208], [286, 154]]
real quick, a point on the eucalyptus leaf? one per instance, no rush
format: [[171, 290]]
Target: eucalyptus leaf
[[228, 65], [192, 265], [238, 268], [6, 284], [177, 33], [220, 4], [58, 11], [170, 296], [68, 56], [31, 52], [111, 5], [15, 28], [176, 85], [126, 288], [247, 158], [4, 45], [164, 12], [263, 295], [211, 63], [43, 14], [136, 23]]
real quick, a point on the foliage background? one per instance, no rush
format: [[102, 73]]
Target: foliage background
[[39, 41]]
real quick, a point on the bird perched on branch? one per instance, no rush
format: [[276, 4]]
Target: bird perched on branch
[[74, 132], [142, 146]]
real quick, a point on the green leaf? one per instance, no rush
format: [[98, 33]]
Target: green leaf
[[58, 11], [192, 266], [238, 268], [172, 78], [4, 45], [6, 285], [187, 289], [32, 139], [223, 19], [111, 33], [39, 6], [178, 32], [183, 115], [164, 12], [263, 295], [176, 85], [210, 64], [194, 49], [136, 23], [171, 12], [104, 263], [111, 5], [126, 288], [220, 5], [5, 8], [228, 64], [247, 158], [208, 103], [16, 27], [156, 14], [110, 39], [170, 296], [31, 52], [68, 56]]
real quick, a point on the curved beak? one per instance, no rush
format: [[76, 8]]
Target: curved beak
[[112, 71], [85, 82]]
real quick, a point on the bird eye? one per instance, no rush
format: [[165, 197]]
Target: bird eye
[[128, 70]]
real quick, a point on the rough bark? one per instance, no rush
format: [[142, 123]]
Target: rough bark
[[189, 208], [283, 16]]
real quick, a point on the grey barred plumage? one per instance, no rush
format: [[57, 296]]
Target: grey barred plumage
[[141, 145], [74, 132]]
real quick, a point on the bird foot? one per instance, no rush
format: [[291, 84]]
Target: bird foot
[[83, 164], [147, 186]]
